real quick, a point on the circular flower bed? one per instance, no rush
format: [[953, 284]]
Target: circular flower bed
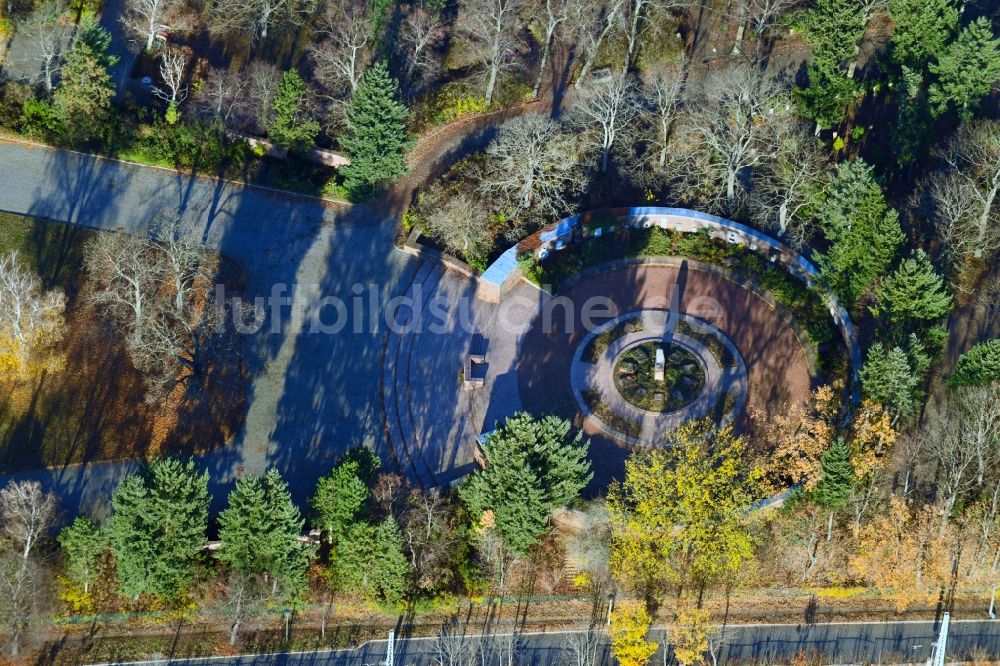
[[635, 377]]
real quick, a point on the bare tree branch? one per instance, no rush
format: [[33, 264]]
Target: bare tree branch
[[224, 96], [491, 28], [589, 24], [965, 194], [607, 107], [256, 17], [48, 38], [421, 33], [340, 59], [788, 188], [531, 166], [145, 18], [26, 514], [173, 62], [731, 130]]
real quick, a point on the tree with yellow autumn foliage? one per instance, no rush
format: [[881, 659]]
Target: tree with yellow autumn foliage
[[31, 321], [678, 520], [629, 626], [871, 438], [689, 635], [791, 444], [903, 553]]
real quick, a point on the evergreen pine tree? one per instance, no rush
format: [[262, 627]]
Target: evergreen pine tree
[[863, 231], [912, 295], [157, 528], [350, 560], [888, 378], [980, 365], [338, 500], [82, 101], [291, 127], [260, 530], [836, 480], [912, 125], [832, 28], [836, 476], [390, 565], [828, 95], [83, 544], [966, 71], [376, 133], [368, 463], [532, 466], [921, 28]]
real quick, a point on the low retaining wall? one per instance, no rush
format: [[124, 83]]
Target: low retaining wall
[[484, 290], [504, 272]]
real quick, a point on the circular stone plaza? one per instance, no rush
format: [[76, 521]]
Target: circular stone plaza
[[628, 349]]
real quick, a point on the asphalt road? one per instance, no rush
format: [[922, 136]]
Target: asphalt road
[[893, 643]]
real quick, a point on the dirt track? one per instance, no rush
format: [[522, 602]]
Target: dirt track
[[776, 363]]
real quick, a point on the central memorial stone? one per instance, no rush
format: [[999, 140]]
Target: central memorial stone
[[660, 363]]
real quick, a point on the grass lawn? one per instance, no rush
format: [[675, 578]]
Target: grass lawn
[[94, 408]]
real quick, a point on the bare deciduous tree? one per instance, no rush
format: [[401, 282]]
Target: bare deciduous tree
[[964, 195], [422, 31], [48, 40], [761, 16], [457, 220], [430, 534], [189, 266], [662, 89], [590, 548], [145, 18], [243, 593], [787, 188], [636, 17], [124, 273], [491, 27], [256, 17], [867, 495], [590, 23], [606, 108], [173, 62], [26, 513], [582, 648], [732, 129], [964, 442], [28, 314], [453, 647], [532, 165], [501, 648], [341, 57], [158, 293], [223, 96], [262, 84], [553, 13]]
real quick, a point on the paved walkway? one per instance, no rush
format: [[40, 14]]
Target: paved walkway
[[432, 419], [313, 395]]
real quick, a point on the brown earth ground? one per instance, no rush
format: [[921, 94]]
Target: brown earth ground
[[776, 363], [93, 408]]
